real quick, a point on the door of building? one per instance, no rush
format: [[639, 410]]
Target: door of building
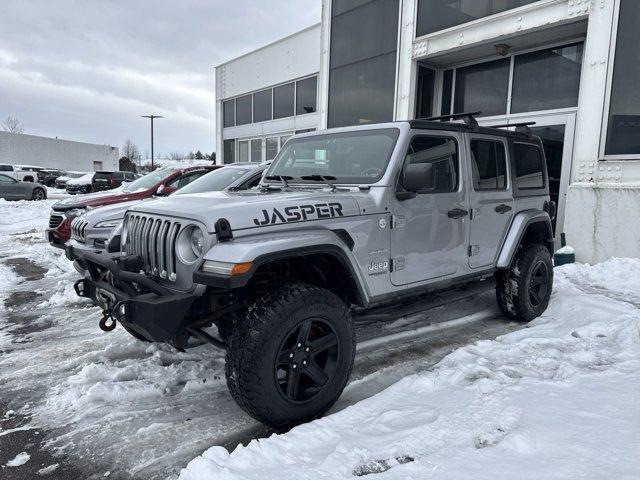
[[557, 133]]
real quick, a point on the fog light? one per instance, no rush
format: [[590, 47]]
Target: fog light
[[226, 268]]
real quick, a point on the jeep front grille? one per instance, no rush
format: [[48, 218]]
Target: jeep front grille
[[78, 228], [154, 240], [55, 220]]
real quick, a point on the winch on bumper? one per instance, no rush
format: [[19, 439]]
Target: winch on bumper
[[158, 314]]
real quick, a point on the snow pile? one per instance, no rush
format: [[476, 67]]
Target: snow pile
[[555, 400], [19, 460]]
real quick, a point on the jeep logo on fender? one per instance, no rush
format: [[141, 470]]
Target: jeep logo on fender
[[300, 213]]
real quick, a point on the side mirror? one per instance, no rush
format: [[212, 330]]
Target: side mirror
[[164, 190], [419, 177]]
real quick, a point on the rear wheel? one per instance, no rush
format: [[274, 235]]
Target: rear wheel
[[28, 179], [290, 356], [523, 291], [38, 194]]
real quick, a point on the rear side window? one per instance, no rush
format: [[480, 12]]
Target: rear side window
[[6, 168], [442, 153], [489, 165], [529, 166], [102, 176]]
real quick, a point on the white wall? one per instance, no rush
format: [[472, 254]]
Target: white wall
[[55, 153], [293, 57]]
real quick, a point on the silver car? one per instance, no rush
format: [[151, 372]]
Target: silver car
[[12, 189]]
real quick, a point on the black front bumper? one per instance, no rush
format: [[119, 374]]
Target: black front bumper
[[157, 315]]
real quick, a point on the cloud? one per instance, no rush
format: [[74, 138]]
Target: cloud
[[87, 69]]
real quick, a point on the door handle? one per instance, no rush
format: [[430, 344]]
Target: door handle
[[457, 213], [502, 208]]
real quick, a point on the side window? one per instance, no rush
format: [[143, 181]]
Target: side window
[[6, 168], [442, 153], [5, 179], [253, 182], [187, 179], [529, 166], [488, 165]]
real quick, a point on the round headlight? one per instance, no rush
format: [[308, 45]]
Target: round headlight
[[190, 245], [197, 241]]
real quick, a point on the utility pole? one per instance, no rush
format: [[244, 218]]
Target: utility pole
[[152, 117]]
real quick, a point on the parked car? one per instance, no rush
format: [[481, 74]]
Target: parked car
[[93, 229], [16, 173], [160, 182], [351, 221], [110, 180], [61, 182], [81, 184], [49, 176], [12, 189]]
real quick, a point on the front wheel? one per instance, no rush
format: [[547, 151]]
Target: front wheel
[[523, 291], [38, 194], [290, 356]]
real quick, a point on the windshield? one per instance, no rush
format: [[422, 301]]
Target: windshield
[[349, 157], [215, 181], [149, 180]]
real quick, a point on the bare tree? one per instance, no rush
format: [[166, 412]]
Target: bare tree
[[176, 156], [12, 125], [130, 150]]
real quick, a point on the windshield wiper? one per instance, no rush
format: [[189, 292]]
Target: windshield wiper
[[282, 178], [321, 178]]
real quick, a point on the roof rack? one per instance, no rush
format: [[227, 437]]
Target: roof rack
[[522, 127], [468, 117]]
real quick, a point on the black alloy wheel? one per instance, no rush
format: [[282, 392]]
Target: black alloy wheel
[[539, 284], [38, 194], [307, 360]]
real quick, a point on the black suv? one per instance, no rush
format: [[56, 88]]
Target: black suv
[[48, 177], [108, 180]]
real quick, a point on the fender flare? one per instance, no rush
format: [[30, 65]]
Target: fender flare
[[521, 222], [261, 249]]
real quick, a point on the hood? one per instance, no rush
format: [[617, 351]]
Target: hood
[[257, 209], [108, 197], [110, 212]]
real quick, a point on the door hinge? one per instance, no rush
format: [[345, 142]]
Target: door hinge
[[473, 250], [397, 221]]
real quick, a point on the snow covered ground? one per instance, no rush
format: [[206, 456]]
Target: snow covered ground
[[556, 400], [560, 399]]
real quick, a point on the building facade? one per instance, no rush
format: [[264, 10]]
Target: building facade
[[264, 97], [20, 149], [570, 66]]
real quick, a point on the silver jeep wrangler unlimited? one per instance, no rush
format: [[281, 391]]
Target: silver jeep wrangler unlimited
[[345, 221]]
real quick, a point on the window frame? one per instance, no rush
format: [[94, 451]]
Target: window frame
[[507, 163], [528, 191], [613, 43], [458, 141]]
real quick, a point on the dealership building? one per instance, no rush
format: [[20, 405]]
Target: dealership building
[[21, 149], [570, 66]]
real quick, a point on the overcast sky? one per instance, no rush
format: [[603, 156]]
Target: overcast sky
[[86, 69]]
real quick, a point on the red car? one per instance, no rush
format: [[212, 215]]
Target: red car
[[162, 182]]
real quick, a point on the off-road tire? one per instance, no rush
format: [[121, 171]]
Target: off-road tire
[[512, 287], [28, 179], [256, 342]]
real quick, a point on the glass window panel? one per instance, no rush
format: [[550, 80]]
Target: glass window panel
[[262, 106], [547, 79], [424, 93], [229, 112], [529, 166], [340, 6], [447, 91], [435, 15], [243, 110], [362, 92], [489, 163], [306, 93], [483, 88], [283, 99], [284, 139], [229, 151], [256, 150], [623, 136], [365, 32], [442, 153], [243, 151], [271, 147]]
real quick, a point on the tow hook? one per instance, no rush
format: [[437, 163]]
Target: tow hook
[[107, 322]]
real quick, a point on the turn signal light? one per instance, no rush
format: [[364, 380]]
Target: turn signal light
[[226, 268]]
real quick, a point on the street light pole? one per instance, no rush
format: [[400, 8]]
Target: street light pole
[[152, 117]]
